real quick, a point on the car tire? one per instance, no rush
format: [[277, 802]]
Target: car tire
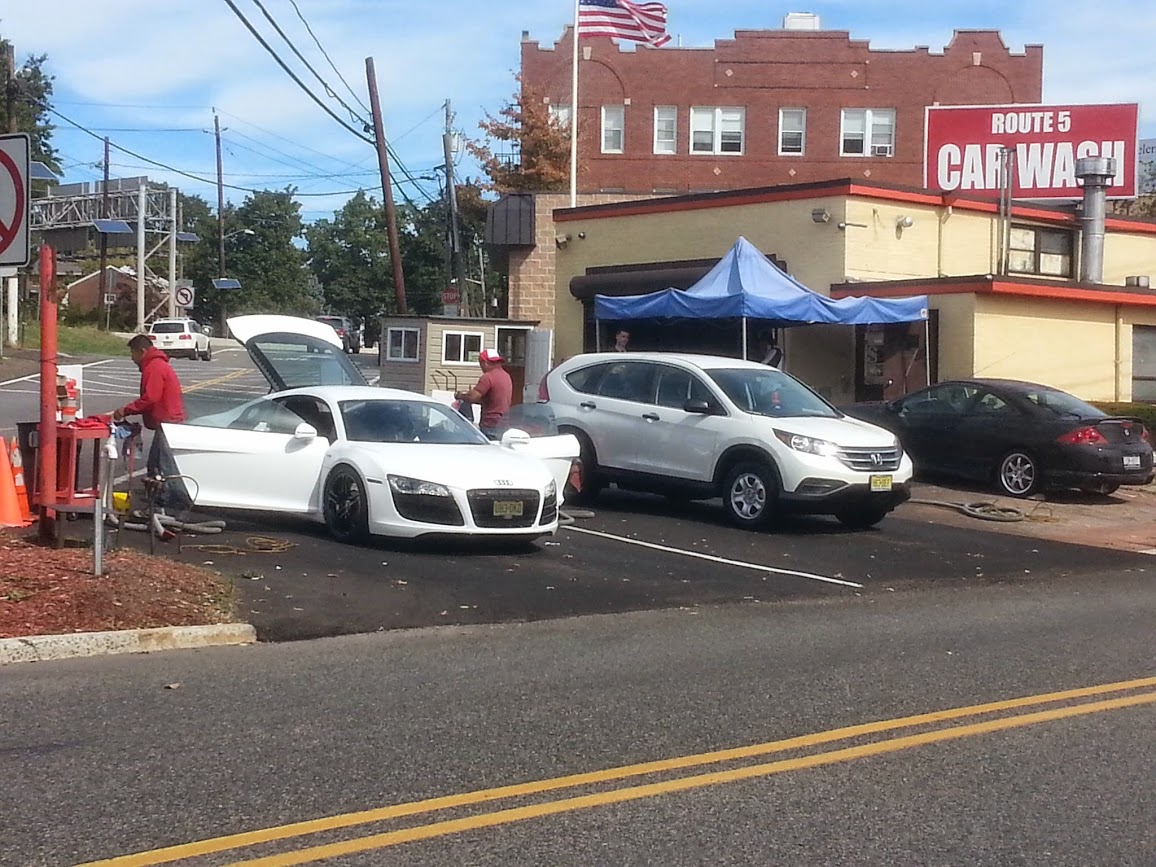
[[749, 492], [592, 484], [861, 519], [1018, 474], [207, 355], [345, 505]]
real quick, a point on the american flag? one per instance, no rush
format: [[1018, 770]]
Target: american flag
[[622, 19]]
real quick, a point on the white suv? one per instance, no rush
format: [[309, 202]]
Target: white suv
[[181, 337], [700, 427]]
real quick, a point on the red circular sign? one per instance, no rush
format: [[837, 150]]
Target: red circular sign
[[9, 232]]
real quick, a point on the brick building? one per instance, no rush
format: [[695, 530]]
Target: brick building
[[768, 106]]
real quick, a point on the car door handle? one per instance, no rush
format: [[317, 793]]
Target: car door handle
[[588, 404], [650, 416]]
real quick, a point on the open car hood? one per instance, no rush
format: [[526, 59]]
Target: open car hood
[[292, 352]]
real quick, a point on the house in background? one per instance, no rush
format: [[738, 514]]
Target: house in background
[[85, 295], [767, 107]]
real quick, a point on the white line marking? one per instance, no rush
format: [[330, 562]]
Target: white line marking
[[37, 375], [700, 556], [1147, 551]]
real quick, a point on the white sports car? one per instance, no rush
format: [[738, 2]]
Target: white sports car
[[363, 459]]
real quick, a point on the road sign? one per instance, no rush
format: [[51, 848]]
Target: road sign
[[14, 159], [450, 295], [186, 295], [110, 299]]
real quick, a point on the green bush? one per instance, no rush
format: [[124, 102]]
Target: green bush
[[1146, 412]]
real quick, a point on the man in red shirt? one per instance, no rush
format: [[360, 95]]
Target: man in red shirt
[[160, 401], [494, 391]]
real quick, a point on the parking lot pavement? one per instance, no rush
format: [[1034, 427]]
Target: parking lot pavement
[[636, 553]]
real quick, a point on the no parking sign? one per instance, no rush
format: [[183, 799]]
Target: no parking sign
[[14, 162]]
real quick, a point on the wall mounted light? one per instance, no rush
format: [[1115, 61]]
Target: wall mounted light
[[561, 240], [904, 222], [856, 225], [820, 215]]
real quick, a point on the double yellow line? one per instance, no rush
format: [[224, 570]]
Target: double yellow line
[[647, 790], [219, 380]]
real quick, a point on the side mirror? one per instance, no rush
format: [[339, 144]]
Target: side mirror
[[514, 437], [305, 432], [698, 407], [207, 330]]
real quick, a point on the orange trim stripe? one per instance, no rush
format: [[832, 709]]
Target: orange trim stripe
[[1001, 287]]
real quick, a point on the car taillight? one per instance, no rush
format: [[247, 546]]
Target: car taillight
[[185, 337], [1083, 436], [1144, 435], [543, 391], [153, 338], [340, 332]]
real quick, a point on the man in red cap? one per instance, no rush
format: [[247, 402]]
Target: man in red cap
[[494, 391]]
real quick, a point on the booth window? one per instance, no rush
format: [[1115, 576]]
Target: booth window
[[401, 344], [1035, 250], [461, 347]]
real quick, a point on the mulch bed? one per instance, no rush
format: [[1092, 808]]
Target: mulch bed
[[49, 591]]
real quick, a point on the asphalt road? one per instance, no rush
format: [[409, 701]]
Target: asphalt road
[[100, 759]]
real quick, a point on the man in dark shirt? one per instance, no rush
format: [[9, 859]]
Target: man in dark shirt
[[494, 391]]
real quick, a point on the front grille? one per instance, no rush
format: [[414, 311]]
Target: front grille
[[428, 510], [482, 507], [870, 460]]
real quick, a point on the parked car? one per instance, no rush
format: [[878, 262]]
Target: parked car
[[181, 337], [363, 460], [1021, 436], [703, 427], [346, 329]]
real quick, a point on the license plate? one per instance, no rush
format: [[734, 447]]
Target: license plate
[[1131, 462], [507, 508], [881, 483]]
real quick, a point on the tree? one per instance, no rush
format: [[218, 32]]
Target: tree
[[32, 91], [261, 251], [538, 155], [349, 256]]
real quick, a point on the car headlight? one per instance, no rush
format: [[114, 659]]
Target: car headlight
[[809, 445], [552, 490], [406, 485]]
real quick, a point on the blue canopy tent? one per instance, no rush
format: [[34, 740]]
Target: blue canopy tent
[[746, 285]]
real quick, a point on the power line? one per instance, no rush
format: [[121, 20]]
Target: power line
[[328, 90], [287, 141], [325, 53], [292, 74]]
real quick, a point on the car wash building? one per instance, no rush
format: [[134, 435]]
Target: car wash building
[[1024, 280]]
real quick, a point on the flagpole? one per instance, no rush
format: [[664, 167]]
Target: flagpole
[[574, 114]]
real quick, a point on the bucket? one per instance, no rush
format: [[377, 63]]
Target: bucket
[[120, 501]]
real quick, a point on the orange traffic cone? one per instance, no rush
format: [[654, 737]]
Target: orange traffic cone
[[9, 506], [17, 461]]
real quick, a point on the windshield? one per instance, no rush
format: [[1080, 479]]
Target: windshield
[[168, 327], [771, 393], [1063, 404], [407, 421]]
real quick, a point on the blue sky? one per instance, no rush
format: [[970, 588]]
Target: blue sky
[[149, 75]]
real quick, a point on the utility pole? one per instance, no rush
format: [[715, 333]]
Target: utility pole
[[104, 244], [386, 187], [220, 225], [174, 227], [11, 87], [455, 244], [13, 281]]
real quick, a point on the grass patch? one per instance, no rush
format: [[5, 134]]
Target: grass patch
[[79, 340]]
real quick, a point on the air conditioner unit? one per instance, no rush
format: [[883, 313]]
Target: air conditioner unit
[[881, 150]]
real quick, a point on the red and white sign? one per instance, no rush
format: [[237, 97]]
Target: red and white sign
[[450, 295], [14, 161], [963, 144]]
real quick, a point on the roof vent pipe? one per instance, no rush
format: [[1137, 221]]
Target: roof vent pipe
[[1097, 174]]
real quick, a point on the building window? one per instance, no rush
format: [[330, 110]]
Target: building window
[[1144, 362], [1047, 252], [792, 131], [613, 128], [461, 347], [401, 344], [868, 132], [717, 130], [560, 114], [665, 129]]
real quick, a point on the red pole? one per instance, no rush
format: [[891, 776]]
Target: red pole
[[47, 448]]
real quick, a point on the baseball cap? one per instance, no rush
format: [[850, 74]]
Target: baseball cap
[[491, 355]]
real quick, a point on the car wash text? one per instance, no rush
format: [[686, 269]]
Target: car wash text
[[965, 147]]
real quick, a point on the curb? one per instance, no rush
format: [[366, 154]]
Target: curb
[[41, 648]]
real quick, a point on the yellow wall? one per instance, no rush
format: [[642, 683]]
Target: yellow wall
[[956, 335], [1128, 256]]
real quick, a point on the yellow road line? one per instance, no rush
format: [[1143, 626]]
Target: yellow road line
[[209, 846], [228, 377], [683, 784]]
